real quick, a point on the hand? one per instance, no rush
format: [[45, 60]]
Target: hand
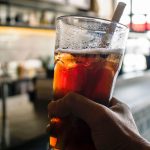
[[112, 128]]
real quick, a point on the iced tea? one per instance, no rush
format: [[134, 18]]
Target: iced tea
[[91, 73]]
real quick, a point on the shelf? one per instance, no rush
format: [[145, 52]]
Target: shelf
[[43, 5], [30, 27]]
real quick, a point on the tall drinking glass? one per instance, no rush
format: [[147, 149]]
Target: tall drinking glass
[[88, 56]]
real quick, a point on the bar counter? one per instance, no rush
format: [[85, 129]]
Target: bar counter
[[134, 91]]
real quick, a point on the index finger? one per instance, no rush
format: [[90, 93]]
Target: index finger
[[77, 105]]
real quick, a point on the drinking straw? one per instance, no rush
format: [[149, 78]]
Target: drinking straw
[[118, 12], [111, 29]]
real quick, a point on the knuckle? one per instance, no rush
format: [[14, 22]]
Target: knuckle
[[66, 99], [103, 110], [101, 115], [69, 97], [100, 119], [126, 107]]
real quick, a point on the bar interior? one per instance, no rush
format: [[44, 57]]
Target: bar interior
[[27, 44]]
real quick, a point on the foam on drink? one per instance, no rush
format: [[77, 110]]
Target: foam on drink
[[89, 51]]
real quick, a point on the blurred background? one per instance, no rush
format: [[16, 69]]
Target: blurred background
[[27, 42]]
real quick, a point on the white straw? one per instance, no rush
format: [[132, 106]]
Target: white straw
[[116, 17]]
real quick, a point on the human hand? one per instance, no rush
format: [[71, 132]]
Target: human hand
[[112, 128]]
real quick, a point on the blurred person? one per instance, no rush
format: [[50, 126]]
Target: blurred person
[[112, 127]]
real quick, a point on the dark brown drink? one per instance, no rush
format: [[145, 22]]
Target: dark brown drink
[[91, 73]]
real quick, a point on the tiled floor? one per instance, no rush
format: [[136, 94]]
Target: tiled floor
[[25, 120]]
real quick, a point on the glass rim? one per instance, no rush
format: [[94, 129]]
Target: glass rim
[[90, 17]]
